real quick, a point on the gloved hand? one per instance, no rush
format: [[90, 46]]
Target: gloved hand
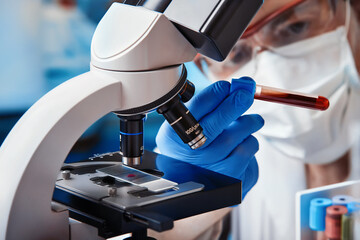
[[230, 147]]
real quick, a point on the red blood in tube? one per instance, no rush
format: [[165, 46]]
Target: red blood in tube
[[322, 103], [67, 3], [333, 221], [291, 98]]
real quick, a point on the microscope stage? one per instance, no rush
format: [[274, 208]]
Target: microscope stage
[[98, 192], [139, 178], [112, 185]]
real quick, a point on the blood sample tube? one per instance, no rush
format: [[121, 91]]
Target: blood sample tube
[[317, 216], [333, 221], [291, 98], [318, 212], [355, 211], [350, 225], [67, 3], [347, 227]]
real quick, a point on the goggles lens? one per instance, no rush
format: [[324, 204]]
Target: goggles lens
[[308, 19]]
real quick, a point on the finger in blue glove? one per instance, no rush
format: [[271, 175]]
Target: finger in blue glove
[[246, 83]]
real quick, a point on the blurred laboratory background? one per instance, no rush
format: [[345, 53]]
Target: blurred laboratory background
[[43, 43]]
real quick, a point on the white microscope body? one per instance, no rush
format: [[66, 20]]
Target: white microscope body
[[136, 59]]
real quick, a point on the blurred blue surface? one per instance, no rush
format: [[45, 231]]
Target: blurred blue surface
[[47, 44]]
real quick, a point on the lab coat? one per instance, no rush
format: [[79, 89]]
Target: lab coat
[[268, 211]]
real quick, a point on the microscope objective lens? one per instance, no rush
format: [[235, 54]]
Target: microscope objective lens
[[132, 139], [183, 122]]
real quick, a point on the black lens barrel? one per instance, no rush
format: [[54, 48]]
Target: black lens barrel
[[187, 92], [183, 122], [132, 138]]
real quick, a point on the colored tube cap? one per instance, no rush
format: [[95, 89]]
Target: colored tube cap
[[318, 212], [336, 211], [353, 207], [342, 200]]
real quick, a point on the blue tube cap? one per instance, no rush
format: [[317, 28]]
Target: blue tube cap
[[318, 212], [353, 207]]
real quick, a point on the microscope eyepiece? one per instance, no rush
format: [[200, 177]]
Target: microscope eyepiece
[[183, 122]]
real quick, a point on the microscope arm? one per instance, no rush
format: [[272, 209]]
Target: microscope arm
[[34, 151], [46, 134]]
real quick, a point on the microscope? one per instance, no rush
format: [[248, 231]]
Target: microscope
[[137, 56]]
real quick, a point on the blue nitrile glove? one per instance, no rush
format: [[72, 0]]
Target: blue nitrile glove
[[230, 147]]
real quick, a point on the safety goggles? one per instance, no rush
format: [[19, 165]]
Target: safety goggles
[[297, 21]]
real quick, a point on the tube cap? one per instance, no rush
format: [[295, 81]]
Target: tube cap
[[318, 212], [353, 207], [342, 200]]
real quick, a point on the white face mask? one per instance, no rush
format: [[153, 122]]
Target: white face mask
[[326, 67]]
